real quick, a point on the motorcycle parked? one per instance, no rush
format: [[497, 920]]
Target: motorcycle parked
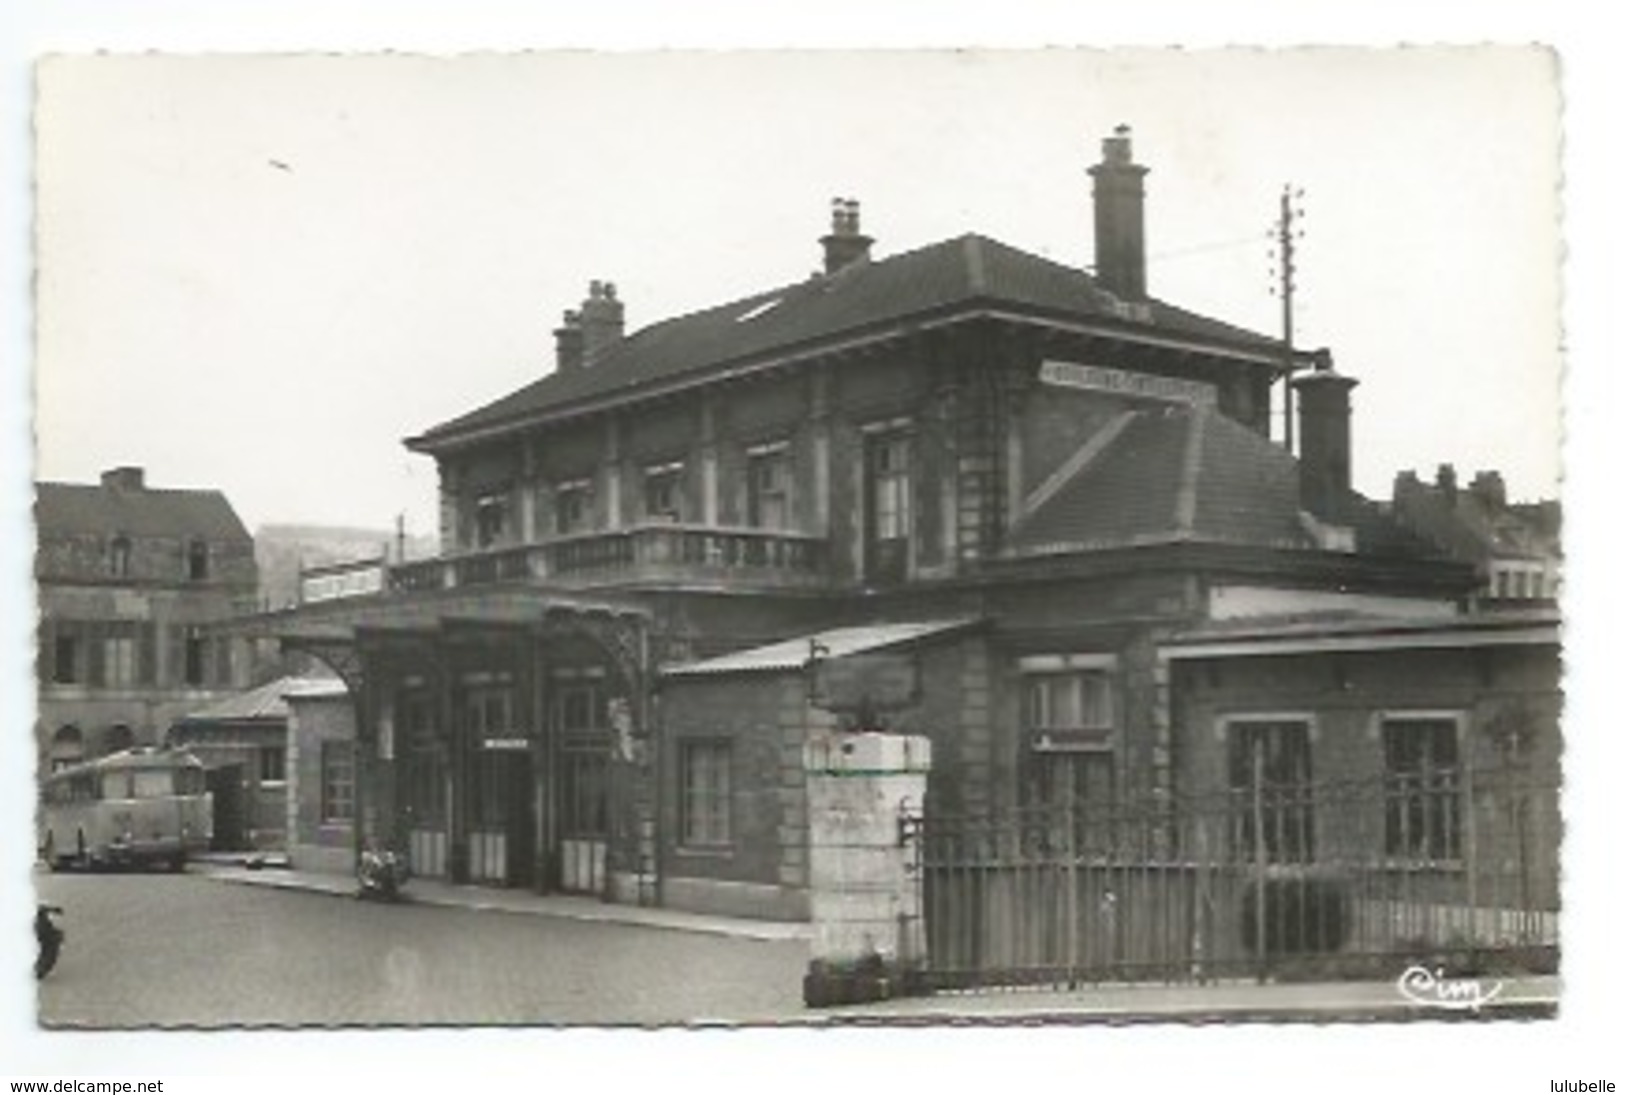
[[381, 874], [49, 937]]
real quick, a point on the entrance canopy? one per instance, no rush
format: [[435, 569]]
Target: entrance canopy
[[508, 606]]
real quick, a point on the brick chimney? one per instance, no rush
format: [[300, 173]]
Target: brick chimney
[[1324, 452], [125, 478], [603, 320], [570, 346], [1445, 480], [1120, 218], [845, 244], [1490, 489]]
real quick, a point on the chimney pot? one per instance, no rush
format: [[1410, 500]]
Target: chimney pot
[[601, 319], [845, 244]]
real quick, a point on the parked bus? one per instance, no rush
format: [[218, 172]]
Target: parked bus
[[141, 806]]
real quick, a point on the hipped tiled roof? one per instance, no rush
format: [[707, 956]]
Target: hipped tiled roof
[[860, 299], [1190, 474], [65, 508]]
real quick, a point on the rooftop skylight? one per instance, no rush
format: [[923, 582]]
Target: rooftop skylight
[[758, 310]]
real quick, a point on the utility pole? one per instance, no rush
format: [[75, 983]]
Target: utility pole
[[1287, 234]]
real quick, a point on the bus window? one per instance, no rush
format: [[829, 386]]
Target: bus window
[[152, 783], [115, 785], [189, 781], [82, 788]]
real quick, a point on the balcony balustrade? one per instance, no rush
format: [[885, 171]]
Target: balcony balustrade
[[640, 555]]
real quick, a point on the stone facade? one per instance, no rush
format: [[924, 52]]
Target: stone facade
[[132, 581]]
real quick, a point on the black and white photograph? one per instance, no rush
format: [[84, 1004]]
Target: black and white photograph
[[851, 542]]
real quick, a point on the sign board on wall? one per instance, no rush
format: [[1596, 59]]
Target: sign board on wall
[[1098, 378]]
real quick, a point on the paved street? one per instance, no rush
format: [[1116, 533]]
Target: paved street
[[161, 950]]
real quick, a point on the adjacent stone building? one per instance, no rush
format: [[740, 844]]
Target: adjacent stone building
[[1516, 547], [131, 579]]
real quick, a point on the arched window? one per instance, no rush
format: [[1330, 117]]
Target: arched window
[[67, 748], [119, 737]]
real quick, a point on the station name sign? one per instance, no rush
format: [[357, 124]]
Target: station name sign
[[1098, 378]]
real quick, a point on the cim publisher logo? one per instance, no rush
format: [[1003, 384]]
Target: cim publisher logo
[[1432, 988]]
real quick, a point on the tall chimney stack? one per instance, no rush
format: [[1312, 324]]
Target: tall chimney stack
[[603, 320], [845, 244], [1324, 451], [570, 343], [1120, 218]]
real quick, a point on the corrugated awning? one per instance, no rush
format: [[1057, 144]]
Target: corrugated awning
[[793, 654]]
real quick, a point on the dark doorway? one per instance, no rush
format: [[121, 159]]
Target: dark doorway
[[225, 784]]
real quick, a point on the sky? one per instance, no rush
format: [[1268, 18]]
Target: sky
[[182, 303], [261, 273]]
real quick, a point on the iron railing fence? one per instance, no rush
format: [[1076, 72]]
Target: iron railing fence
[[1324, 879]]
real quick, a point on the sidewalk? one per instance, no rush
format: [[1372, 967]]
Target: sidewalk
[[430, 891], [1223, 1002]]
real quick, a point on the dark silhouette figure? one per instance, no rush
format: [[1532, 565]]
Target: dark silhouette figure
[[49, 937]]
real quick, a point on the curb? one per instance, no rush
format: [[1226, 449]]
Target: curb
[[341, 886]]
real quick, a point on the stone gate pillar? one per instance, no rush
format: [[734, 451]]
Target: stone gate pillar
[[868, 934]]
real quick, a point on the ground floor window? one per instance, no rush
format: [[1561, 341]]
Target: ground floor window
[[584, 792], [1422, 787], [705, 798], [1271, 803], [338, 782], [273, 764], [1070, 797]]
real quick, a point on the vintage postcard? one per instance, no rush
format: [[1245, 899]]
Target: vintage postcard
[[794, 539]]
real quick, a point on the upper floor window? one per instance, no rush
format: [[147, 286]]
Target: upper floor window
[[197, 560], [118, 557], [66, 669], [888, 505], [767, 489], [490, 519], [194, 656], [119, 661], [889, 485], [663, 493], [572, 507]]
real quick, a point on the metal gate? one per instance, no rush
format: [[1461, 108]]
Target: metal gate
[[1269, 879]]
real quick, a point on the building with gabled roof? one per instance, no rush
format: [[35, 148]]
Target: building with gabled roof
[[965, 432], [131, 581]]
